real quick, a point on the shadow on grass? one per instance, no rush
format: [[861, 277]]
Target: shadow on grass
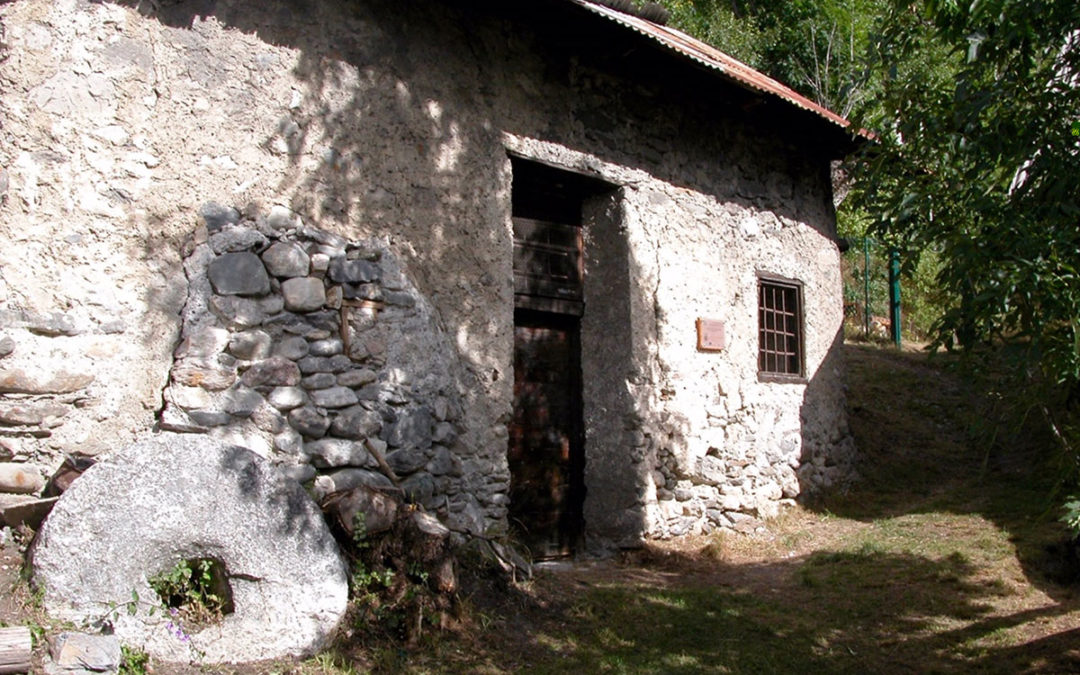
[[925, 446], [855, 612]]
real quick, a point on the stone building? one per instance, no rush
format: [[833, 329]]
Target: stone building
[[569, 272]]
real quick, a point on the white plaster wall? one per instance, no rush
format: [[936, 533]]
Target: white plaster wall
[[393, 122]]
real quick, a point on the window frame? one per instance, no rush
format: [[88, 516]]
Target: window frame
[[795, 288]]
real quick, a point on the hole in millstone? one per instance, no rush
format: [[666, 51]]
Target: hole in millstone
[[195, 590]]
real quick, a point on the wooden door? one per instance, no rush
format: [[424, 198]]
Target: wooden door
[[546, 454]]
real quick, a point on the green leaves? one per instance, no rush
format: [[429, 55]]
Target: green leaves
[[979, 116]]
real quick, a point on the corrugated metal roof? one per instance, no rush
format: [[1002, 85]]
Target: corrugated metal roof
[[713, 58]]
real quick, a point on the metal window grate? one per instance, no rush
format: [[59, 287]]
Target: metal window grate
[[779, 329]]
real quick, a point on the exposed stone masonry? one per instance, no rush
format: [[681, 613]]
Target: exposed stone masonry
[[303, 347]]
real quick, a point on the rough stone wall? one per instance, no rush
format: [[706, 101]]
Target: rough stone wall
[[387, 124], [319, 353]]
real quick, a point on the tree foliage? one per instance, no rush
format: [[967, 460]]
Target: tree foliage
[[977, 158], [979, 161], [815, 46]]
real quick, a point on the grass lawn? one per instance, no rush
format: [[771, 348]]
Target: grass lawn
[[941, 560]]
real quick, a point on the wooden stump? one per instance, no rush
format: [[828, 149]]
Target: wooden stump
[[15, 648]]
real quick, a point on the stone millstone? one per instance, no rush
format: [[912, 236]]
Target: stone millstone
[[178, 497]]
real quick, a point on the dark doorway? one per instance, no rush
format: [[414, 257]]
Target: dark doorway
[[546, 453]]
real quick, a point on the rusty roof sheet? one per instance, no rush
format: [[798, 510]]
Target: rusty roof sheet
[[713, 58]]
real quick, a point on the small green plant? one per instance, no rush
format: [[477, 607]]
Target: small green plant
[[196, 589], [1071, 516], [133, 661], [360, 533]]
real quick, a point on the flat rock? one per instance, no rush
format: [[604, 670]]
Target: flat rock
[[334, 397], [31, 414], [327, 347], [189, 497], [17, 381], [357, 377], [406, 460], [242, 401], [318, 381], [362, 507], [19, 510], [324, 364], [347, 479], [353, 271], [275, 371], [203, 342], [53, 324], [208, 375], [78, 653], [20, 478], [292, 348]]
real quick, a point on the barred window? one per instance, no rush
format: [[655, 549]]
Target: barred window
[[780, 339]]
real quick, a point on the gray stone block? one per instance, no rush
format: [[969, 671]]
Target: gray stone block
[[319, 381], [210, 418], [324, 364], [238, 274], [188, 497], [287, 260], [406, 460], [330, 453], [18, 381], [217, 216], [309, 422], [356, 422], [334, 397], [303, 294], [233, 239], [353, 271], [328, 347], [287, 398], [251, 345], [357, 377], [272, 372], [20, 478], [242, 401], [293, 348], [77, 653]]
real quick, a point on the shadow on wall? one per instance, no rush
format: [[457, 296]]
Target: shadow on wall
[[828, 453], [395, 131]]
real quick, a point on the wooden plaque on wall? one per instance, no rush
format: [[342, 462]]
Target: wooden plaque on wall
[[710, 335]]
